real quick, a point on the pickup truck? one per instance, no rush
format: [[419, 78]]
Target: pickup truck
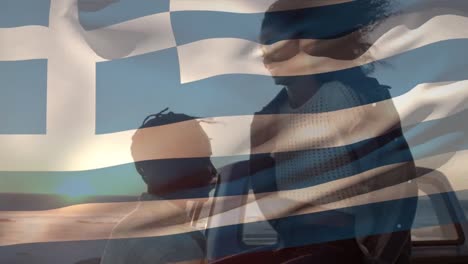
[[438, 234]]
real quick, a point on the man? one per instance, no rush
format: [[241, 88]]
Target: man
[[158, 230], [338, 130]]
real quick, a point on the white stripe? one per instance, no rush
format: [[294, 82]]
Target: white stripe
[[25, 43], [242, 6], [212, 57], [95, 221], [71, 93]]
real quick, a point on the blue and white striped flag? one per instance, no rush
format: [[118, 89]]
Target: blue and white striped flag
[[78, 77]]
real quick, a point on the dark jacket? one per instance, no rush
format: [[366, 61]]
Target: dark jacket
[[388, 241]]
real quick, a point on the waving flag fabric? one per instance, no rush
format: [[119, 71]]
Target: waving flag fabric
[[78, 77]]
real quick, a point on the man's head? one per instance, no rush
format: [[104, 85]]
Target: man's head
[[172, 154]]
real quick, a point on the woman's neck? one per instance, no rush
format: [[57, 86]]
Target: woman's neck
[[300, 92]]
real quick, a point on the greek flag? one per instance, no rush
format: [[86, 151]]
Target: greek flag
[[78, 77]]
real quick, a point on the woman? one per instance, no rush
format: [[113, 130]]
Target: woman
[[336, 134]]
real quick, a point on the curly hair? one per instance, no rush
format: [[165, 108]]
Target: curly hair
[[349, 36], [302, 20], [159, 174]]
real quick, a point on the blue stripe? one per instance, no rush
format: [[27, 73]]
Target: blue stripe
[[120, 180], [53, 252], [16, 13], [95, 14], [130, 89], [445, 135], [323, 22], [23, 101]]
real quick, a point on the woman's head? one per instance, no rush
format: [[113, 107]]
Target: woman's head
[[299, 40], [172, 154]]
